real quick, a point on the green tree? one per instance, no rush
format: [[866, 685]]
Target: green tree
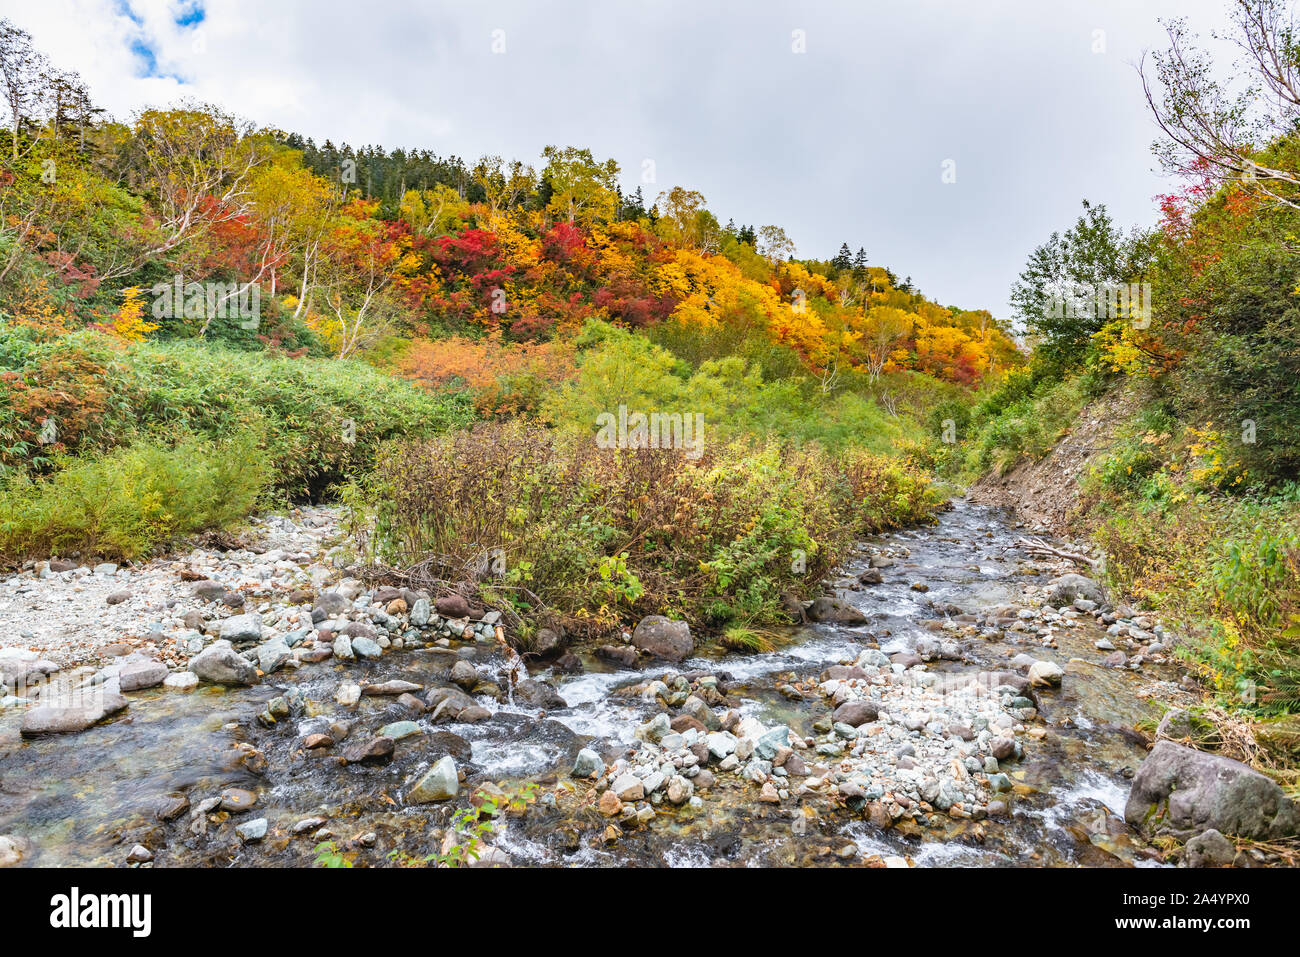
[[1056, 293]]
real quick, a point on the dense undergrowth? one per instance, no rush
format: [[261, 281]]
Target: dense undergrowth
[[128, 502], [549, 522], [183, 423]]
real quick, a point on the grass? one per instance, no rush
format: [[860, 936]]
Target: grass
[[126, 504], [1027, 425], [746, 640]]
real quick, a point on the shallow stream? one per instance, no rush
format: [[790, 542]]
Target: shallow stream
[[86, 799]]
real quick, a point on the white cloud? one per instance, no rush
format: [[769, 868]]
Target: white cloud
[[841, 143]]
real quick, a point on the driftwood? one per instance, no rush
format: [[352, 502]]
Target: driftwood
[[1040, 549], [428, 573]]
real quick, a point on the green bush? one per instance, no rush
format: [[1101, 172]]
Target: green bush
[[599, 536], [1025, 427], [320, 421], [732, 394], [125, 504]]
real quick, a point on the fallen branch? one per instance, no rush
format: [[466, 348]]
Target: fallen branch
[[1040, 549]]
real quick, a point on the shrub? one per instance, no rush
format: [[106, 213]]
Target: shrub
[[621, 368], [603, 535], [1227, 570], [1024, 427], [319, 420], [127, 503]]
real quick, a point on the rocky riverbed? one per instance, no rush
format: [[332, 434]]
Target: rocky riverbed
[[953, 701]]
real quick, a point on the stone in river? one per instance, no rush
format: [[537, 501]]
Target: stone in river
[[720, 744], [376, 750], [587, 764], [856, 713], [168, 807], [539, 694], [400, 729], [251, 831], [685, 722], [272, 655], [366, 647], [208, 590], [239, 629], [439, 783], [394, 687], [835, 611], [138, 675], [420, 613], [329, 604], [610, 805], [1194, 790], [65, 715], [699, 709], [1067, 588], [772, 742], [628, 787], [410, 703], [663, 637], [235, 800], [181, 681], [220, 664], [680, 789], [1045, 673], [465, 674]]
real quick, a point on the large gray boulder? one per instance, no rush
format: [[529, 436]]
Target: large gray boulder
[[242, 629], [1188, 790], [221, 665], [836, 611], [1066, 589], [63, 716], [663, 637], [138, 675]]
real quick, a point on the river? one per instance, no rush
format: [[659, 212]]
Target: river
[[87, 799]]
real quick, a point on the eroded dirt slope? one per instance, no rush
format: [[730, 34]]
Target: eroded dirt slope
[[1046, 491]]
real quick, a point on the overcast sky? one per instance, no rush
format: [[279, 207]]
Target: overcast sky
[[1037, 104]]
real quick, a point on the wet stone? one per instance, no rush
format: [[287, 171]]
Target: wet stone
[[236, 800]]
